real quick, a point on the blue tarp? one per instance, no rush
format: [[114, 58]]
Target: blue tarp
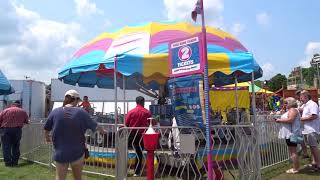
[[5, 86]]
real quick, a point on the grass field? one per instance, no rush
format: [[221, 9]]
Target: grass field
[[277, 172], [32, 171]]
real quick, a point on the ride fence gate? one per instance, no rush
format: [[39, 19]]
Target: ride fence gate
[[182, 153]]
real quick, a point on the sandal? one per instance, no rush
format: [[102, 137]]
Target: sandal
[[292, 171]]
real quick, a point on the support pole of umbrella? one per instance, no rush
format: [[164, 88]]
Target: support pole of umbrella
[[206, 93], [115, 92], [254, 122], [115, 134], [262, 101], [124, 97], [253, 98], [237, 99], [102, 107]]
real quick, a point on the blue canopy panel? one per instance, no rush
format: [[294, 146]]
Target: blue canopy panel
[[5, 86]]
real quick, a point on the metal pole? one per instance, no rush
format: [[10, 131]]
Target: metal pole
[[253, 100], [124, 98], [206, 93], [102, 107], [256, 129], [237, 103], [265, 95], [115, 93], [262, 101], [118, 159], [30, 98], [127, 107], [301, 78], [318, 80]]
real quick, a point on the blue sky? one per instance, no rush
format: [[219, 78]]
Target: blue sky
[[38, 37]]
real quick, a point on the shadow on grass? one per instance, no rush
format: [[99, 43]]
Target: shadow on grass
[[25, 163], [310, 172]]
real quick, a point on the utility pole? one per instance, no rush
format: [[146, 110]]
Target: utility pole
[[301, 78], [315, 61], [317, 67], [29, 83]]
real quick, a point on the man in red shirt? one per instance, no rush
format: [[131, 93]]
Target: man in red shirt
[[137, 117], [12, 120]]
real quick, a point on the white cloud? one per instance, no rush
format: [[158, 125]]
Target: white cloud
[[237, 28], [8, 24], [304, 63], [107, 23], [177, 10], [87, 8], [310, 50], [268, 70], [39, 46], [263, 18]]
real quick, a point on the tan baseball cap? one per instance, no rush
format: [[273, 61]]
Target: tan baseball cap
[[73, 93]]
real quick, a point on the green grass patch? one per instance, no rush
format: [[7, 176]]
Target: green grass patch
[[32, 171], [277, 172]]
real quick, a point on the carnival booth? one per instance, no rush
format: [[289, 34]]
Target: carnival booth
[[137, 57], [227, 105], [264, 98]]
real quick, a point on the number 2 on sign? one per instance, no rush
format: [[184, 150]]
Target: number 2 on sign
[[185, 53]]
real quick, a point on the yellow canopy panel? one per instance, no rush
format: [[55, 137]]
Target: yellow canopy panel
[[222, 100]]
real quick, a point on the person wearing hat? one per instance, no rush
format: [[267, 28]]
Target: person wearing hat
[[12, 120], [68, 125]]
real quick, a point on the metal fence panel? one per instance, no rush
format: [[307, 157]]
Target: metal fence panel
[[234, 150], [273, 150], [33, 146], [237, 151]]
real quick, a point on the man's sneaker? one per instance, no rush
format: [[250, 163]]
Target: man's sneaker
[[135, 175]]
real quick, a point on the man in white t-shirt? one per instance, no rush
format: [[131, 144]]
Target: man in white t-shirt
[[310, 120], [300, 108]]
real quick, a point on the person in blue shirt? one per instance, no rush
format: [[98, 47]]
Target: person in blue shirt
[[68, 125]]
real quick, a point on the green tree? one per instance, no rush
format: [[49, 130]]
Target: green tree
[[277, 82], [308, 75], [258, 83]]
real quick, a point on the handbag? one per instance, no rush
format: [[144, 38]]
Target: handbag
[[297, 139]]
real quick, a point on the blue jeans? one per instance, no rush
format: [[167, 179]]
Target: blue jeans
[[10, 145]]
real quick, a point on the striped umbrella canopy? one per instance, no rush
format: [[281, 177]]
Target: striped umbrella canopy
[[246, 84], [5, 86], [142, 56]]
